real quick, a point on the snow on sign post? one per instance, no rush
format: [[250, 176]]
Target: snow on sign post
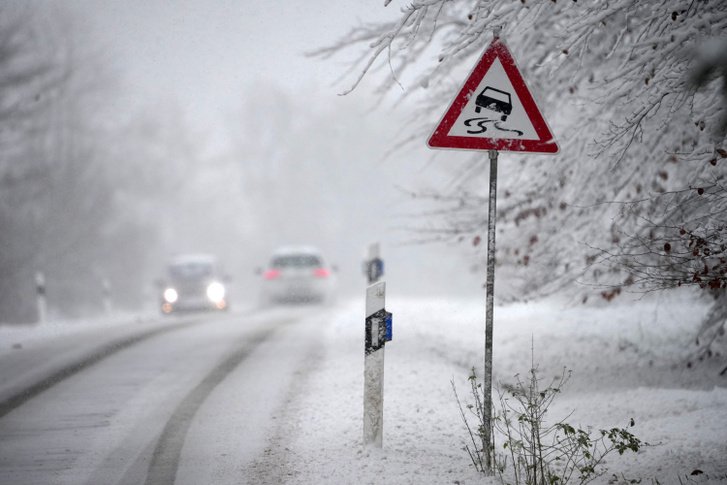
[[493, 111]]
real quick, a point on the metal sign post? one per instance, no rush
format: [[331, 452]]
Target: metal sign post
[[489, 310], [378, 332]]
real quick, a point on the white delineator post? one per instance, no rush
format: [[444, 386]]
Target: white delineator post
[[40, 296], [106, 288], [373, 265], [375, 338]]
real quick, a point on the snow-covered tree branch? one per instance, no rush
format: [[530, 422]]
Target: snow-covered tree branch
[[636, 93]]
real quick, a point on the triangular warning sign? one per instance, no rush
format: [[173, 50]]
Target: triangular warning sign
[[494, 110]]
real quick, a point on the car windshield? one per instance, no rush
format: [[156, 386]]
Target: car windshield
[[296, 260], [496, 95], [191, 270]]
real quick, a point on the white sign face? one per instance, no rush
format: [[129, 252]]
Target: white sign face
[[494, 110]]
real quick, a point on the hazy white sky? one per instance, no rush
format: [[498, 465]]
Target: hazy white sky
[[208, 55], [212, 60]]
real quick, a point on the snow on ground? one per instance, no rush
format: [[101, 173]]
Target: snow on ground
[[627, 358]]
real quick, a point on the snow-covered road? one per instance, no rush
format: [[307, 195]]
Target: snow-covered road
[[187, 400]]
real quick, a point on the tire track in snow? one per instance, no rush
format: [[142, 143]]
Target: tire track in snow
[[166, 455], [24, 395], [20, 397]]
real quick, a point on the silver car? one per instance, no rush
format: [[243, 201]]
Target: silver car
[[298, 275]]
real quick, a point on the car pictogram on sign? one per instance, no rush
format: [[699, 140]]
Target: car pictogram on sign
[[494, 99]]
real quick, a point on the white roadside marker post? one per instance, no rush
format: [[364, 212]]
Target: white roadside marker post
[[378, 332], [373, 266], [106, 289], [40, 296]]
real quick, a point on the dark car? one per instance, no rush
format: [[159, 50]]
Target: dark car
[[194, 282]]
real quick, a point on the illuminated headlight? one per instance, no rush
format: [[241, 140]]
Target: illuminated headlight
[[170, 295], [216, 292]]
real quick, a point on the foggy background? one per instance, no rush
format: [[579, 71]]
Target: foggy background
[[160, 128]]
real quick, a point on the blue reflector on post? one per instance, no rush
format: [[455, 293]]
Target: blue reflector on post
[[389, 329]]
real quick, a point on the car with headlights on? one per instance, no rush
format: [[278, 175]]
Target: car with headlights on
[[194, 282], [298, 274]]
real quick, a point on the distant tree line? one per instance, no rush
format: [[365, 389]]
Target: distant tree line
[[84, 193]]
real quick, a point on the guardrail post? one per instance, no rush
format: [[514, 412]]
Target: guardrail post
[[378, 332]]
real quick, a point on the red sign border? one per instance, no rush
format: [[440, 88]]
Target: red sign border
[[546, 142]]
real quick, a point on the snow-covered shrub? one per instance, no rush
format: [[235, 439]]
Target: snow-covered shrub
[[526, 449]]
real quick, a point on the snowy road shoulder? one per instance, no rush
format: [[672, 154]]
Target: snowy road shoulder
[[319, 437]]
